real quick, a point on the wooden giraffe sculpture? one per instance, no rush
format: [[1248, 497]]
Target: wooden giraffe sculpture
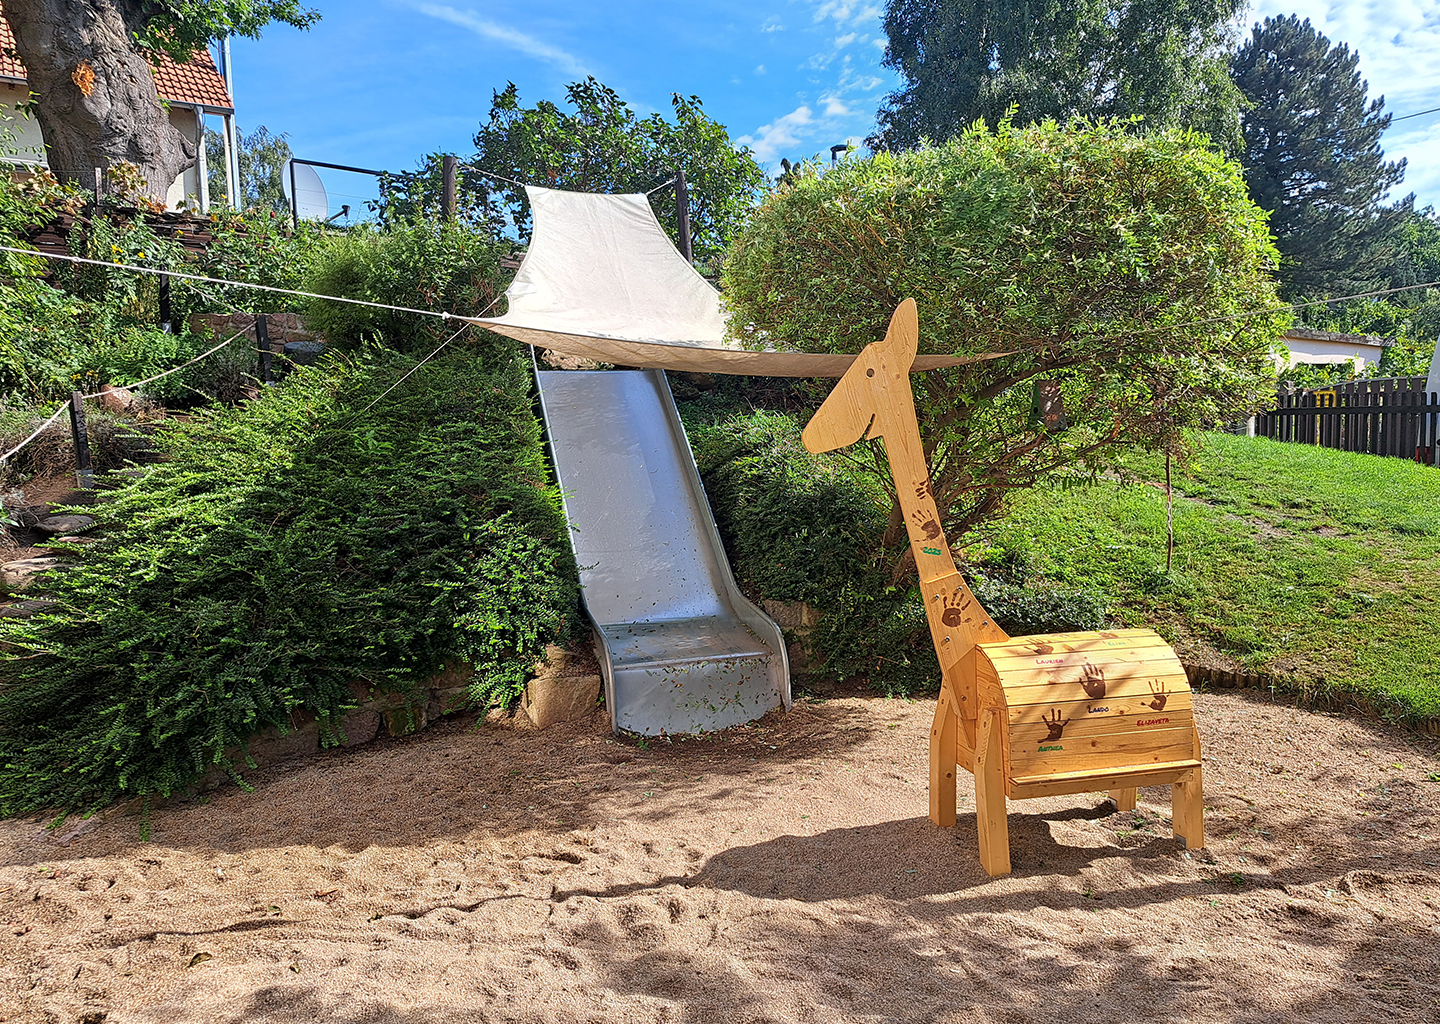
[[1029, 716]]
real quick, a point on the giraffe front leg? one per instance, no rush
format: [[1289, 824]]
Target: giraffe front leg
[[942, 761]]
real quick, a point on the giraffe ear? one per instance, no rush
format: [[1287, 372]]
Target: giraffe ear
[[903, 337]]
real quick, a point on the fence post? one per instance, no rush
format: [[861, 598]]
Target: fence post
[[682, 215], [447, 194], [262, 342], [84, 474], [165, 322]]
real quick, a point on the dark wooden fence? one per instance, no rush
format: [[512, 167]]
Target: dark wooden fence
[[1391, 416]]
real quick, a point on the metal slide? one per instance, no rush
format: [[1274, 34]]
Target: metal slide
[[680, 649]]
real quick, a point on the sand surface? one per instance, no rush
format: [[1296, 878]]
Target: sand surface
[[781, 872]]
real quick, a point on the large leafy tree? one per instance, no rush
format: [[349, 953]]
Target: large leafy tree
[[88, 63], [599, 145], [969, 60], [1312, 158], [1131, 272]]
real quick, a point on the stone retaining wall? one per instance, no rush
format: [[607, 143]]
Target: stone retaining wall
[[566, 686], [282, 327]]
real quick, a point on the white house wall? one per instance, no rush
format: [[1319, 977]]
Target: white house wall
[[1314, 350], [25, 144]]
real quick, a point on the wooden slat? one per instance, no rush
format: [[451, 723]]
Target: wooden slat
[[1038, 733], [990, 788], [1061, 644], [1133, 749], [1187, 801], [942, 762], [1109, 709], [1030, 787], [1033, 661], [1120, 681]]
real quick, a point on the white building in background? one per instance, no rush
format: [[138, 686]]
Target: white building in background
[[1328, 348], [192, 91]]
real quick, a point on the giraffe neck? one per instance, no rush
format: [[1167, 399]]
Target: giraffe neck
[[957, 619]]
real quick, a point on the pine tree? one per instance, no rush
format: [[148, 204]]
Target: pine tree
[[1312, 157]]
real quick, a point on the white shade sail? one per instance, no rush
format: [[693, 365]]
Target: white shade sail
[[603, 281]]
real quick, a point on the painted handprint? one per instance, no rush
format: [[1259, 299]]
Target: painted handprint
[[1160, 697], [1042, 648], [1055, 723], [1092, 677], [955, 606], [925, 490], [928, 526]]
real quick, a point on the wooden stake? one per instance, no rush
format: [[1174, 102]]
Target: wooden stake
[[447, 191], [682, 216], [262, 342], [84, 474], [1169, 517]]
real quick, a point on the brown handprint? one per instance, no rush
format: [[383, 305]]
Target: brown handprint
[[1092, 677], [1042, 648], [954, 612], [928, 526], [925, 490], [1158, 689], [1056, 723]]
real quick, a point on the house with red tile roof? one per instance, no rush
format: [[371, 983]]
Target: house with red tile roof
[[192, 91]]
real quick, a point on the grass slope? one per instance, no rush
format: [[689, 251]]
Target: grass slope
[[1301, 562]]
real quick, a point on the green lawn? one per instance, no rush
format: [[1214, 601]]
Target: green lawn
[[1304, 563]]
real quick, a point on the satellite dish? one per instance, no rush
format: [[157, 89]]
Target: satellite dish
[[312, 203]]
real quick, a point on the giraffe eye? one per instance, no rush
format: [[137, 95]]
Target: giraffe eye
[[870, 372]]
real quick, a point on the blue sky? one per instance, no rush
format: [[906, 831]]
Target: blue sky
[[380, 83]]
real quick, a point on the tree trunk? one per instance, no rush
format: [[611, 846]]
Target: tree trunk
[[94, 93]]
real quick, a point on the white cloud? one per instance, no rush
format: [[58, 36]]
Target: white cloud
[[843, 41], [853, 81], [772, 24], [513, 38], [848, 12], [770, 141], [835, 106], [760, 69]]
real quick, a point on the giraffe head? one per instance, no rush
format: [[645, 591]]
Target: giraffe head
[[869, 396]]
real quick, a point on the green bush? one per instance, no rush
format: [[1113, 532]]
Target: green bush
[[427, 265], [1080, 254], [1024, 609], [282, 551]]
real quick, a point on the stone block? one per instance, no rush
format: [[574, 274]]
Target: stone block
[[450, 698], [796, 615], [406, 719], [451, 674], [19, 574], [553, 698], [270, 745], [360, 727]]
